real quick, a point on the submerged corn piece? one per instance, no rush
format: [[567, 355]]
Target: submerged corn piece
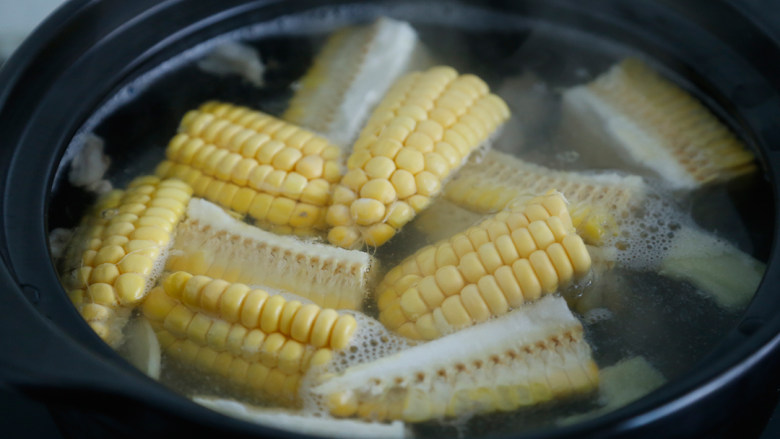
[[256, 339], [714, 266], [123, 259], [305, 424], [533, 354], [351, 73], [511, 258], [255, 164], [598, 203], [422, 131], [655, 125], [213, 243]]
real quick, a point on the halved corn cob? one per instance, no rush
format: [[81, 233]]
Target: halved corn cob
[[598, 203], [254, 338], [654, 125], [212, 243], [88, 234], [121, 263], [302, 423], [421, 132], [513, 257], [255, 164], [351, 73], [606, 208], [531, 355]]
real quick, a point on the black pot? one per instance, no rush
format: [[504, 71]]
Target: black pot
[[83, 54]]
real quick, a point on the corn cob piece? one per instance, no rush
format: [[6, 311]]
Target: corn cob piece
[[602, 208], [352, 72], [302, 423], [621, 384], [420, 134], [531, 355], [87, 233], [212, 243], [255, 164], [513, 257], [653, 124], [120, 266], [730, 276], [255, 339], [598, 203]]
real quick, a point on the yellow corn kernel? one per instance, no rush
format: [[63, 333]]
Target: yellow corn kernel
[[264, 169], [395, 159], [484, 271], [118, 266]]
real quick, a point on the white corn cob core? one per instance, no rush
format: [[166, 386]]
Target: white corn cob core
[[352, 72], [531, 355], [658, 126], [213, 243], [302, 423]]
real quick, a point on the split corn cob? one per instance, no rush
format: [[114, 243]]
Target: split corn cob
[[598, 203], [602, 208], [351, 73], [254, 338], [121, 263], [305, 424], [655, 125], [422, 131], [534, 354], [513, 257], [255, 164], [212, 243]]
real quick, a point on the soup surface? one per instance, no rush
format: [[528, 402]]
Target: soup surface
[[631, 310]]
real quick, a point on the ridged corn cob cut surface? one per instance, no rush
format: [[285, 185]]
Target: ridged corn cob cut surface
[[302, 423], [261, 342], [256, 165], [511, 258], [352, 72], [531, 355], [598, 203], [661, 127], [422, 131], [211, 242], [126, 253]]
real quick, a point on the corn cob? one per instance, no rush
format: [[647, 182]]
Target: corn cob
[[603, 208], [421, 132], [531, 355], [716, 267], [119, 267], [141, 347], [255, 164], [508, 259], [255, 339], [655, 125], [352, 72], [212, 243], [621, 384], [598, 203], [88, 234], [302, 423]]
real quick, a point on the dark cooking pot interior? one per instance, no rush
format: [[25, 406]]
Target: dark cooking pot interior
[[129, 82]]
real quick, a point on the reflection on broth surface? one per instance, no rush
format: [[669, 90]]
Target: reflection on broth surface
[[365, 233]]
